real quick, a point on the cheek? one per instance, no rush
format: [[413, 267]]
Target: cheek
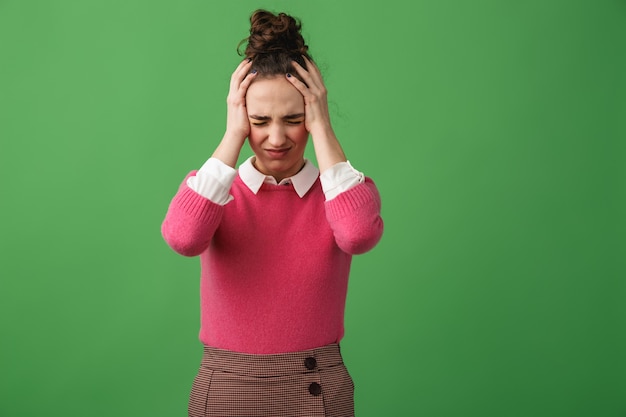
[[255, 137], [300, 134]]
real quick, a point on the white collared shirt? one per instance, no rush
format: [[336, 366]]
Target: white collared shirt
[[214, 179]]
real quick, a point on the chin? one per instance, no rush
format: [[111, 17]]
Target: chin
[[284, 168]]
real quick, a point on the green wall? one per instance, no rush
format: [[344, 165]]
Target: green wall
[[495, 131]]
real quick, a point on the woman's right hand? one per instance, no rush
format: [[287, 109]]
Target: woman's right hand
[[237, 122]]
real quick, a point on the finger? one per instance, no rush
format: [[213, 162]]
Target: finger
[[311, 66], [240, 72], [301, 71], [243, 64], [300, 86], [245, 83], [312, 78]]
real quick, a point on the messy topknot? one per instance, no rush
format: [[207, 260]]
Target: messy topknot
[[274, 42]]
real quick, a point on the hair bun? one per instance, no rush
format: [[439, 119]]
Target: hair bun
[[272, 34]]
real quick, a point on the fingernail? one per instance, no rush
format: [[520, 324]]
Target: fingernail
[[288, 75], [253, 71], [249, 59]]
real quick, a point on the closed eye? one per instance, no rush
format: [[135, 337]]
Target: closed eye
[[257, 120]]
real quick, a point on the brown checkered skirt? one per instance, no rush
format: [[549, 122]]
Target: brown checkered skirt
[[311, 383]]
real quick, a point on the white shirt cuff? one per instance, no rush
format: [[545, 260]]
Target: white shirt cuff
[[213, 181], [339, 178]]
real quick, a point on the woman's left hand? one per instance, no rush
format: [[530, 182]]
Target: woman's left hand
[[317, 116]]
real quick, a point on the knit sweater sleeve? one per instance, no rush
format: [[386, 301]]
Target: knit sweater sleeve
[[354, 217], [191, 221]]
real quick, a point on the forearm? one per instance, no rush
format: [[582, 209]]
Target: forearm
[[328, 150], [229, 148]]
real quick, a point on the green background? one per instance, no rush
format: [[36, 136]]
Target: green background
[[495, 131]]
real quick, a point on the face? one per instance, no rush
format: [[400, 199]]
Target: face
[[277, 133]]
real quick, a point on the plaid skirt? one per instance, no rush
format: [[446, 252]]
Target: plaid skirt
[[311, 383]]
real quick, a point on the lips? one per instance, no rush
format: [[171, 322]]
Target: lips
[[277, 153]]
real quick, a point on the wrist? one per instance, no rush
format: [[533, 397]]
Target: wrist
[[235, 136], [322, 132], [229, 148]]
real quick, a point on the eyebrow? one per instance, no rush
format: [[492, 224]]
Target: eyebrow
[[287, 117]]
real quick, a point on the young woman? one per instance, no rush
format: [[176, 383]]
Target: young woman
[[275, 239]]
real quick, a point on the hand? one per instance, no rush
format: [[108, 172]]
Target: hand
[[317, 116], [237, 123]]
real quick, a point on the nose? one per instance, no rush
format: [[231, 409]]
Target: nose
[[277, 137]]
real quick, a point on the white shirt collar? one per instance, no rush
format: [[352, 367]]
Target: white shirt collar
[[302, 181]]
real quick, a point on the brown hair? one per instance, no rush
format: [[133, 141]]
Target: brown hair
[[274, 42]]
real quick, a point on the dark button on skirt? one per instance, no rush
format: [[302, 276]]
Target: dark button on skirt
[[232, 384], [310, 363], [315, 389]]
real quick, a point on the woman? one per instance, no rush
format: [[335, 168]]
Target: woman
[[275, 239]]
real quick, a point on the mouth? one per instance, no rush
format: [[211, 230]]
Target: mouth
[[277, 153]]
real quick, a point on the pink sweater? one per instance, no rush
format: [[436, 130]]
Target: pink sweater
[[274, 266]]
